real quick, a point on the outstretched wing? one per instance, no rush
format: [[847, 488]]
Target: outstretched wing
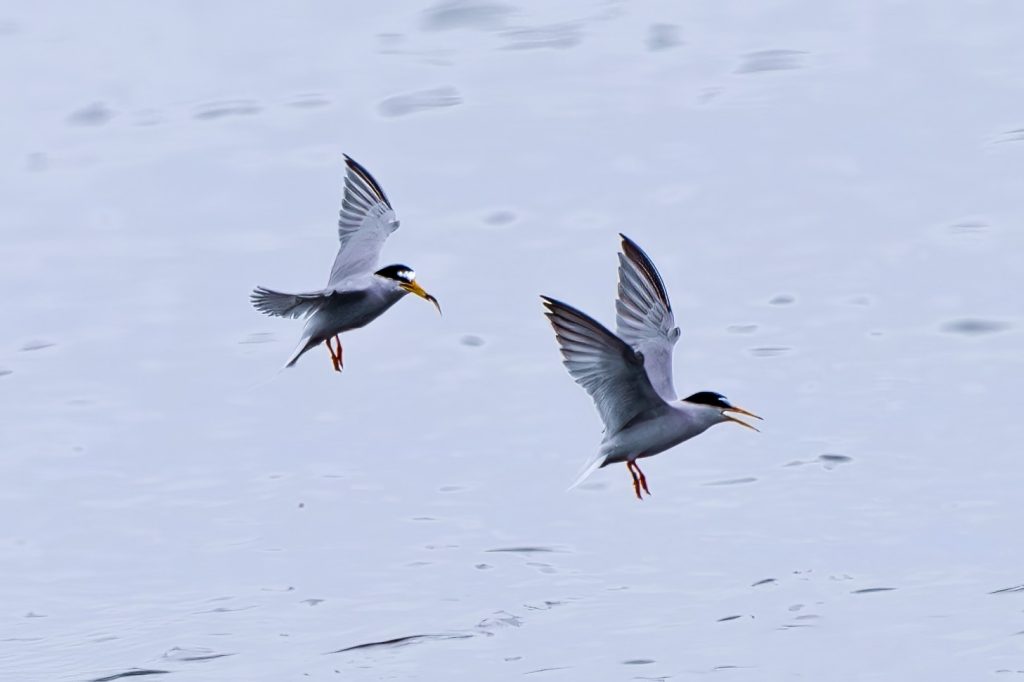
[[644, 316], [365, 221], [279, 304], [610, 371]]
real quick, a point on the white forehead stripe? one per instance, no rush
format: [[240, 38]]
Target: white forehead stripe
[[407, 275]]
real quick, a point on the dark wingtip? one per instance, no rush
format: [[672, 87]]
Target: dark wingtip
[[639, 257]]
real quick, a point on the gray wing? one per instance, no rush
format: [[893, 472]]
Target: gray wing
[[610, 371], [644, 316], [364, 223], [279, 304]]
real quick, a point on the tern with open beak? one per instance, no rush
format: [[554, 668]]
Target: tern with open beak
[[357, 292], [629, 375]]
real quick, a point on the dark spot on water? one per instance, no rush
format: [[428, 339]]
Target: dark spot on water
[[975, 326], [709, 94], [1016, 135], [832, 461], [216, 110], [764, 582], [663, 37], [226, 609], [968, 227], [555, 36], [523, 550], [734, 481], [399, 642], [5, 372], [795, 607], [302, 505], [771, 60], [95, 114], [423, 518], [33, 614], [310, 101], [421, 100], [545, 670], [769, 351], [482, 567], [474, 14], [471, 340], [37, 344], [869, 590], [312, 602], [859, 300], [1007, 590], [390, 42], [638, 661], [502, 217], [546, 605], [782, 299], [192, 655], [451, 488], [501, 619], [808, 616], [542, 567], [722, 620], [741, 328], [134, 672], [258, 337], [9, 28]]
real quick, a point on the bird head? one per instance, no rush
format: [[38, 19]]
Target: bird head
[[717, 408], [404, 278]]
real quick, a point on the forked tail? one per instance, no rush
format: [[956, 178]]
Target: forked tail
[[592, 465], [305, 343]]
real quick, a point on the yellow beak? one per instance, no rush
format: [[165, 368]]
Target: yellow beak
[[740, 410], [413, 287]]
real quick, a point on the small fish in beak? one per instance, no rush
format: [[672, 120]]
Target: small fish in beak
[[414, 287]]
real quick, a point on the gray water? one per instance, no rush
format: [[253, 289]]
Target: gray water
[[833, 196]]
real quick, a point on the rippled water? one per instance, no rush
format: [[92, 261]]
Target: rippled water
[[832, 194]]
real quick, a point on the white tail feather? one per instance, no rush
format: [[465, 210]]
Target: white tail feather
[[303, 346], [592, 465]]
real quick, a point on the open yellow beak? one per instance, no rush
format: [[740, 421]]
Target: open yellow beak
[[414, 287], [740, 410]]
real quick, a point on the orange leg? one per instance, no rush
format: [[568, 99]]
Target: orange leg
[[636, 481], [643, 479], [341, 362], [335, 360]]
